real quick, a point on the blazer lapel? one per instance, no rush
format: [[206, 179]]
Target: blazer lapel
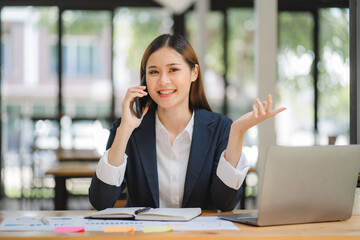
[[146, 145], [201, 139]]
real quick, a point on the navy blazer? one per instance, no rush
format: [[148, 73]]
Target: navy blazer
[[202, 187]]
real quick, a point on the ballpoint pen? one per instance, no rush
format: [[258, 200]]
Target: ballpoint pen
[[142, 210], [44, 221]]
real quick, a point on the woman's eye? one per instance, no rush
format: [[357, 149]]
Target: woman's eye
[[174, 69], [153, 72]]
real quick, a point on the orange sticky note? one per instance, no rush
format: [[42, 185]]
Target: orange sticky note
[[117, 229], [69, 229]]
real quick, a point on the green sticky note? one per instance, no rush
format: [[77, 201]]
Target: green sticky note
[[152, 229]]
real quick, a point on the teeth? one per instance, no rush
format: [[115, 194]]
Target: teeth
[[167, 92]]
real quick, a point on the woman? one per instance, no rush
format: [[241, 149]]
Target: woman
[[179, 153]]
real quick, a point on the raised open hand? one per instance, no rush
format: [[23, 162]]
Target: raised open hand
[[260, 113]]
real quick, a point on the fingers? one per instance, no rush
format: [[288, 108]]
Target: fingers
[[138, 91], [133, 92], [269, 104], [255, 112], [132, 89], [260, 107], [278, 111]]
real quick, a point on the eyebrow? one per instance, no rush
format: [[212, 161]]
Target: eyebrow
[[168, 65]]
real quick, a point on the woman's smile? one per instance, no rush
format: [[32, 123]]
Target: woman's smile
[[164, 93]]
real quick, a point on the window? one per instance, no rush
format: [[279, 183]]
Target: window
[[6, 54], [296, 83], [29, 91], [334, 76], [80, 58], [295, 86], [242, 88], [86, 57]]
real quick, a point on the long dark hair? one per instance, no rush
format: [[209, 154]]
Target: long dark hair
[[177, 42]]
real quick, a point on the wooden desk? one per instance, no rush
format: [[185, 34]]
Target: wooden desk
[[78, 155], [349, 229], [66, 170]]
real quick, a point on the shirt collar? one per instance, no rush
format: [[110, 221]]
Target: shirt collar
[[161, 129]]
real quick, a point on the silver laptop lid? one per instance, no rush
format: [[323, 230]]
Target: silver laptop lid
[[308, 184]]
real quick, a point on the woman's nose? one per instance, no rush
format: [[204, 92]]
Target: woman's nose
[[164, 78]]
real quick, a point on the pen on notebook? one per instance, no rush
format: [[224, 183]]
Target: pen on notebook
[[142, 210], [44, 221]]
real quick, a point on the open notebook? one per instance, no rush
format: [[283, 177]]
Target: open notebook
[[153, 214]]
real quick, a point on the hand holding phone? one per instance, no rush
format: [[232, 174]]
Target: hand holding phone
[[140, 103]]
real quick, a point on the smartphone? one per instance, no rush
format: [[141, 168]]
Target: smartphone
[[140, 103]]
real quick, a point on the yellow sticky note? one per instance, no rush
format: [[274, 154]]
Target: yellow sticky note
[[152, 229], [118, 229]]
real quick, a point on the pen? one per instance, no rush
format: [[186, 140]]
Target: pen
[[44, 221], [142, 210]]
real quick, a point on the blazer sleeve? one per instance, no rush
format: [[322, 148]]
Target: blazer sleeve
[[102, 195], [223, 197]]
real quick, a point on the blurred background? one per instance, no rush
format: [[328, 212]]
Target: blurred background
[[65, 68]]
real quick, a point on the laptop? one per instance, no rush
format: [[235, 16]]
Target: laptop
[[305, 185]]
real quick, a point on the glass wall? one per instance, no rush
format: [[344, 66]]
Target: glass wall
[[29, 80], [29, 91], [86, 63], [242, 90], [87, 86], [334, 77], [295, 85]]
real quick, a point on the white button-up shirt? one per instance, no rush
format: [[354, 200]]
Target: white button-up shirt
[[172, 162]]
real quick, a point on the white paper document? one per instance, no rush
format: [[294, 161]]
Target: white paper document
[[36, 224]]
